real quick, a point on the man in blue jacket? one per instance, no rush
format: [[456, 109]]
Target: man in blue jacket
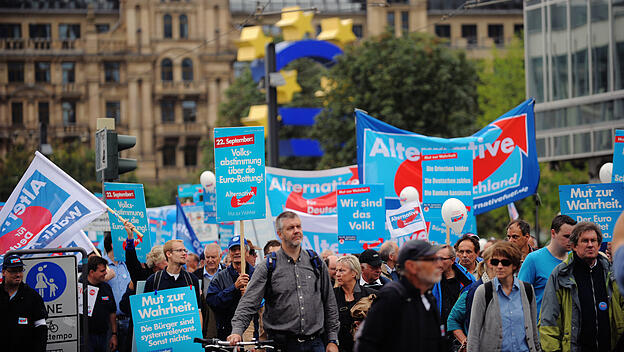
[[227, 288]]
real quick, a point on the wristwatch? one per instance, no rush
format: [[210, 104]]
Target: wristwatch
[[335, 342]]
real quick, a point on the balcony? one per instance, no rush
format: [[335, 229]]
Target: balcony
[[111, 46], [70, 90], [41, 45], [69, 130], [180, 88]]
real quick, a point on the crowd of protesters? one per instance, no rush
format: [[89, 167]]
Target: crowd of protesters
[[507, 296]]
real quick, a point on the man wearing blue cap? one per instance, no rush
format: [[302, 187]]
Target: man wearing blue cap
[[227, 288], [23, 318]]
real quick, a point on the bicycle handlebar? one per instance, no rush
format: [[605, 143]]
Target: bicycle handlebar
[[217, 342]]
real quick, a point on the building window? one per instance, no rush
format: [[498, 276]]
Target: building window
[[40, 35], [190, 152], [42, 72], [443, 30], [187, 70], [559, 51], [167, 26], [69, 31], [166, 70], [111, 71], [405, 21], [113, 110], [69, 72], [600, 44], [17, 114], [358, 30], [169, 152], [469, 31], [102, 27], [10, 31], [189, 110], [497, 33], [390, 21], [167, 111], [44, 112], [518, 29], [603, 140], [183, 26], [562, 145], [15, 70], [69, 112]]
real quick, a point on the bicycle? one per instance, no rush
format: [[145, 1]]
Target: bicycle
[[224, 346]]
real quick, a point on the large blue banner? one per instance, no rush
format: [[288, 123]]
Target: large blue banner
[[239, 161], [599, 203], [184, 231], [505, 167], [128, 200], [167, 320], [617, 174], [361, 217], [446, 174]]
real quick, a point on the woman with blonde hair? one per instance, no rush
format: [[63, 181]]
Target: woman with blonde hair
[[348, 292], [503, 306]]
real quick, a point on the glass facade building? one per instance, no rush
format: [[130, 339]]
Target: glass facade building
[[574, 60]]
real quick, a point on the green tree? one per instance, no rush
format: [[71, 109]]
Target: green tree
[[239, 96], [78, 161], [12, 167], [501, 85], [414, 83]]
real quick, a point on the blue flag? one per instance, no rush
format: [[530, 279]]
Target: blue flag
[[184, 231]]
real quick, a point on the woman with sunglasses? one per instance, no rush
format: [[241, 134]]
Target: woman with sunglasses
[[504, 314]]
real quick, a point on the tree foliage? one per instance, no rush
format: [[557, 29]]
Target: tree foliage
[[414, 82]]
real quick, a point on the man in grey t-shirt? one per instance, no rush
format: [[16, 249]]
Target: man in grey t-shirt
[[300, 306]]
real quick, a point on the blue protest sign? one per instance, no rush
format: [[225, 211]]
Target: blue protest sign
[[128, 200], [446, 174], [599, 203], [210, 207], [618, 157], [226, 232], [361, 217], [189, 191], [167, 320], [239, 160]]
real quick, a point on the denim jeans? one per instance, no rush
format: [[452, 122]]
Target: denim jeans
[[292, 345]]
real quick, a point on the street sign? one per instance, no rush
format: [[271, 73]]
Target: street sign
[[54, 278], [101, 160]]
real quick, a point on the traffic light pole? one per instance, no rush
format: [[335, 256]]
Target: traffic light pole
[[271, 100]]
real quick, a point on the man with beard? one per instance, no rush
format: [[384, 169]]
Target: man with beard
[[300, 306], [404, 316]]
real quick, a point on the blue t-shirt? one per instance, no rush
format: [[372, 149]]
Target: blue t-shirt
[[536, 270]]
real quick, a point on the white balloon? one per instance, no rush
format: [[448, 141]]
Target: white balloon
[[208, 180], [409, 194], [454, 214], [605, 173]]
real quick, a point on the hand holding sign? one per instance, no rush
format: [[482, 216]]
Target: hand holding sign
[[454, 215]]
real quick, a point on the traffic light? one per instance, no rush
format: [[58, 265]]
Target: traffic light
[[108, 164]]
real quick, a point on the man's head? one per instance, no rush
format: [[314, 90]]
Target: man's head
[[326, 253], [192, 261], [419, 263], [108, 242], [288, 226], [252, 254], [212, 255], [12, 270], [370, 261], [518, 233], [467, 249], [96, 269], [586, 238], [156, 258], [446, 254], [175, 252], [560, 231], [272, 246], [234, 252], [389, 253], [331, 265]]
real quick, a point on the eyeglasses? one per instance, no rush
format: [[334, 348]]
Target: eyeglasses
[[15, 271], [445, 258], [515, 237], [181, 250], [505, 262], [436, 259]]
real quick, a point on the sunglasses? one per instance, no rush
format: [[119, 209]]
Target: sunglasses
[[505, 262]]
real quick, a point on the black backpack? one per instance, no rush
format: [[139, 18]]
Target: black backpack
[[271, 263]]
